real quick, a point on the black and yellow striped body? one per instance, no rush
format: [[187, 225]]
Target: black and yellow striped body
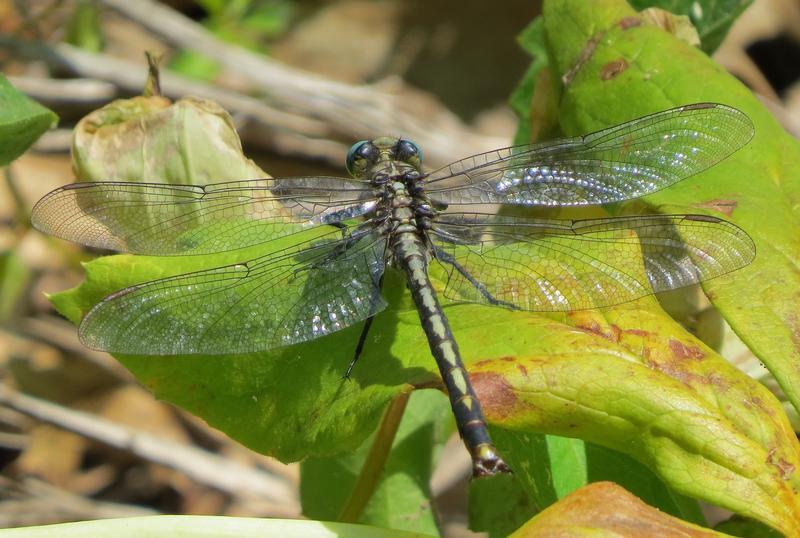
[[405, 215], [409, 253]]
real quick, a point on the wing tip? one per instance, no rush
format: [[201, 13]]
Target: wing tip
[[747, 128]]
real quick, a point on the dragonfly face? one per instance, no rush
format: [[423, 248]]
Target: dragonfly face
[[307, 288], [384, 155]]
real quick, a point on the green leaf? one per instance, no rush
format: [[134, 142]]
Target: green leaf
[[22, 121], [193, 64], [712, 18], [627, 378], [746, 528], [605, 464], [290, 403], [548, 468], [200, 526], [567, 463], [270, 20], [545, 469], [532, 40], [499, 505], [632, 380], [757, 188], [402, 499]]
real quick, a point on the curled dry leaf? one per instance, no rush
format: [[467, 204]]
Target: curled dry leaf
[[191, 141]]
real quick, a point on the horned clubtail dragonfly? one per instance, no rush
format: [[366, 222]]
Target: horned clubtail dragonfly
[[391, 213]]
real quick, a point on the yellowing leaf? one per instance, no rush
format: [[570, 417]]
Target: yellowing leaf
[[605, 509]]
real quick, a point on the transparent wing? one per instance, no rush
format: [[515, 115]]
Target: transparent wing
[[555, 265], [157, 219], [619, 163], [300, 293]]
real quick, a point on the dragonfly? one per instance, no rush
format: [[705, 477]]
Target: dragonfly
[[390, 212]]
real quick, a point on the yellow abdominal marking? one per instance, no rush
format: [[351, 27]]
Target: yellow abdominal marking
[[437, 325], [457, 374], [448, 353]]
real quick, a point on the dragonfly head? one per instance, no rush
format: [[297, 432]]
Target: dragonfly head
[[390, 155]]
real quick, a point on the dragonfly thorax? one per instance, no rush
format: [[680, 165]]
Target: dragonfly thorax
[[393, 167]]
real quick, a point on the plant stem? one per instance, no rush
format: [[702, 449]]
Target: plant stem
[[376, 459], [21, 216]]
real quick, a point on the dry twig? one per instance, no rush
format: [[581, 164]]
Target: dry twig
[[355, 111], [200, 465], [283, 131], [33, 502], [74, 91], [61, 334]]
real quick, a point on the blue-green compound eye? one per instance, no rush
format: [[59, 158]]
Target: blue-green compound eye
[[407, 150], [354, 153]]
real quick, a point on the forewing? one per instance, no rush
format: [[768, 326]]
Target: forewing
[[164, 220], [555, 265], [300, 293], [620, 163]]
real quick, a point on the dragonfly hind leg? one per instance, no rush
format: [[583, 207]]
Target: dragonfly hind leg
[[362, 339], [444, 257], [359, 347]]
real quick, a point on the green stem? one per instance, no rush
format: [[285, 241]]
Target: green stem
[[376, 459], [21, 217]]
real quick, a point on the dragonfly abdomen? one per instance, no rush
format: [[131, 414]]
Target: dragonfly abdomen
[[410, 255]]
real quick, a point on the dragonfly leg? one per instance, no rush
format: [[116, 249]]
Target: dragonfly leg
[[362, 339], [341, 247], [443, 256], [359, 347], [342, 226]]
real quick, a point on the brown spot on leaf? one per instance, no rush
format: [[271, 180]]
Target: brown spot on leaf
[[496, 395], [522, 369], [758, 403], [793, 323], [612, 333], [637, 332], [613, 69], [484, 362], [724, 206], [616, 332], [682, 351], [785, 469], [674, 370], [719, 381], [678, 25], [630, 22], [583, 57]]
